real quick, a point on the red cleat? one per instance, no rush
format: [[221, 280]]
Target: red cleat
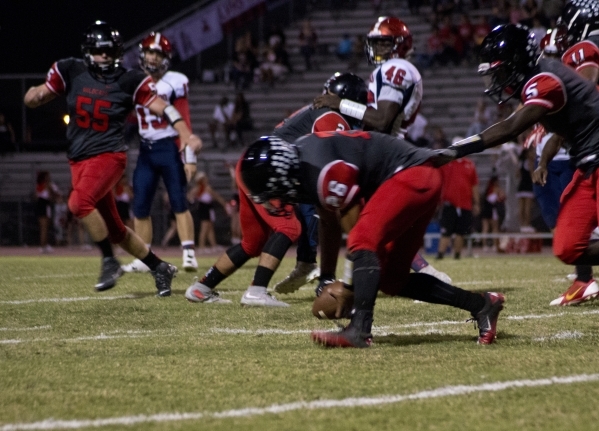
[[579, 292], [486, 319], [347, 337]]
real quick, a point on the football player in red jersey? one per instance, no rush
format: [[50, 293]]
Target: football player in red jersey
[[264, 234], [401, 186], [394, 94], [160, 154], [100, 93], [564, 103], [554, 171]]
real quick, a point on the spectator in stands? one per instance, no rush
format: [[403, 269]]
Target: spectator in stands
[[276, 36], [60, 220], [461, 202], [438, 138], [493, 211], [529, 10], [483, 117], [307, 41], [242, 118], [537, 28], [46, 193], [344, 49], [222, 120], [244, 62], [466, 33], [274, 65], [500, 14], [233, 207], [7, 135], [434, 51], [123, 194], [203, 196], [357, 53], [481, 29], [416, 132], [453, 49], [525, 193]]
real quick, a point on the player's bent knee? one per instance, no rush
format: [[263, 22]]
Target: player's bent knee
[[568, 255], [79, 206]]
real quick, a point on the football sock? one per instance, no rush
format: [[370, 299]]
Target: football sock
[[212, 277], [584, 273], [426, 288], [262, 276], [366, 274], [151, 260], [105, 247]]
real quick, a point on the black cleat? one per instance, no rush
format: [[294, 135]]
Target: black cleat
[[110, 272], [163, 276], [486, 319]]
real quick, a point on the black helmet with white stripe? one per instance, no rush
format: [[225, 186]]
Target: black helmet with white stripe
[[582, 19]]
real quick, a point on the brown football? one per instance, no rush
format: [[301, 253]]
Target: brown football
[[335, 302]]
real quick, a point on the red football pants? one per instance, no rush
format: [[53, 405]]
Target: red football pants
[[257, 224], [93, 180], [394, 221], [577, 217]]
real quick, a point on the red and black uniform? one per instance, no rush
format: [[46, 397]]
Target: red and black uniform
[[98, 109], [459, 178], [399, 184], [573, 104], [256, 223]]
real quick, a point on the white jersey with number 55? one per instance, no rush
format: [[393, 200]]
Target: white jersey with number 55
[[398, 81]]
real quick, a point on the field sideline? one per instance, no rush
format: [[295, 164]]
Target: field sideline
[[71, 358]]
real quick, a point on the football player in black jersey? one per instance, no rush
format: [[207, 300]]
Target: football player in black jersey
[[400, 185], [100, 93]]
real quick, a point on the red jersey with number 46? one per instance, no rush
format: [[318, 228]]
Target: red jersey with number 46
[[97, 107], [573, 104]]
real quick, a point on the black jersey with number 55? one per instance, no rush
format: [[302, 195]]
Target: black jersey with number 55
[[97, 107]]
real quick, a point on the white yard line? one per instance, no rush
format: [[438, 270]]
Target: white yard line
[[446, 391], [100, 337], [33, 328], [75, 299], [67, 275]]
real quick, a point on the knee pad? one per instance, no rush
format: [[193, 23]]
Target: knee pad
[[277, 245], [237, 255]]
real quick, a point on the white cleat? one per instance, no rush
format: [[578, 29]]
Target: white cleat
[[135, 266], [302, 274], [199, 292], [428, 269], [258, 296], [190, 264]]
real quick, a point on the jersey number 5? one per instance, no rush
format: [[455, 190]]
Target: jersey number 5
[[84, 119], [398, 78]]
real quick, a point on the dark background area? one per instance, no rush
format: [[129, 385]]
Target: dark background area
[[34, 34]]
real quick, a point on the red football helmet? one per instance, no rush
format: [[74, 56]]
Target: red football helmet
[[394, 30], [159, 43], [555, 42]]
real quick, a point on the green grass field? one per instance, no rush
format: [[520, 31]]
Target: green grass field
[[71, 358]]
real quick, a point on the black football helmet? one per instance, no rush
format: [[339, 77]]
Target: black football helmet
[[508, 56], [582, 19], [100, 37], [270, 171], [347, 86]]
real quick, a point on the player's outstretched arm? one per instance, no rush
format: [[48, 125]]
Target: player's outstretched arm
[[170, 113], [38, 95], [552, 146]]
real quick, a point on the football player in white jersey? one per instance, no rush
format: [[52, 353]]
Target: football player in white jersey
[[394, 94], [160, 154]]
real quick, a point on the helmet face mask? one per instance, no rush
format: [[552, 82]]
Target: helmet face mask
[[270, 171], [98, 39], [388, 38], [159, 44], [508, 57]]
